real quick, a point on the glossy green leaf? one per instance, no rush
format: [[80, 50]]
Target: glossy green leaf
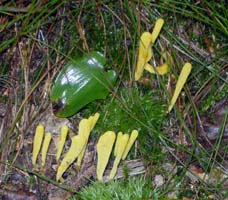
[[81, 82]]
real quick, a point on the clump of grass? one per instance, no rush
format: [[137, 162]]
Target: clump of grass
[[130, 110], [133, 109], [133, 188]]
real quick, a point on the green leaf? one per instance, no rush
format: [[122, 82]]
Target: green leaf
[[81, 82]]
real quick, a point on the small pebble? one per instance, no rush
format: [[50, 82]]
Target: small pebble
[[158, 180]]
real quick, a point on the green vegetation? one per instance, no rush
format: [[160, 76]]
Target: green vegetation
[[137, 188]]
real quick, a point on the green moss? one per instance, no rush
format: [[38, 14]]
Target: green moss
[[133, 188], [130, 110]]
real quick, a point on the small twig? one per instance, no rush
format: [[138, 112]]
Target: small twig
[[196, 49], [18, 10], [40, 176], [14, 9]]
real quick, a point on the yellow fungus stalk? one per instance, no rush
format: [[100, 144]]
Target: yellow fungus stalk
[[77, 143], [180, 83], [118, 140], [84, 131], [134, 135], [121, 148], [94, 119], [145, 54], [85, 128], [38, 138], [80, 157], [104, 149], [157, 28], [145, 51], [62, 140], [47, 140], [161, 70]]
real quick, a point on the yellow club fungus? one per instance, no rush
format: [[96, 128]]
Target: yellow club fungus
[[163, 69], [145, 52], [84, 131], [77, 144], [85, 127], [121, 148], [180, 83], [47, 140], [38, 138], [157, 28], [62, 140], [94, 119], [118, 140], [134, 135], [104, 149]]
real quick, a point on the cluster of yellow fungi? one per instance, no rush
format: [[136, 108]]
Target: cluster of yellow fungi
[[147, 40], [122, 147], [78, 147], [38, 139]]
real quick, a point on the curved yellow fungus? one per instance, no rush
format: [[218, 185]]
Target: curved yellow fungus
[[38, 138], [47, 140], [94, 119], [77, 144], [121, 148], [104, 149], [157, 28], [85, 127], [134, 135], [62, 140], [180, 83], [145, 52], [84, 131], [163, 69], [118, 140]]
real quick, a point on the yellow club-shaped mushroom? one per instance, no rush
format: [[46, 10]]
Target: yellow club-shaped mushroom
[[157, 28], [145, 52], [93, 120], [38, 138], [84, 131], [121, 148], [163, 69], [118, 141], [85, 128], [134, 135], [104, 149], [77, 144], [62, 140], [47, 140], [180, 83]]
